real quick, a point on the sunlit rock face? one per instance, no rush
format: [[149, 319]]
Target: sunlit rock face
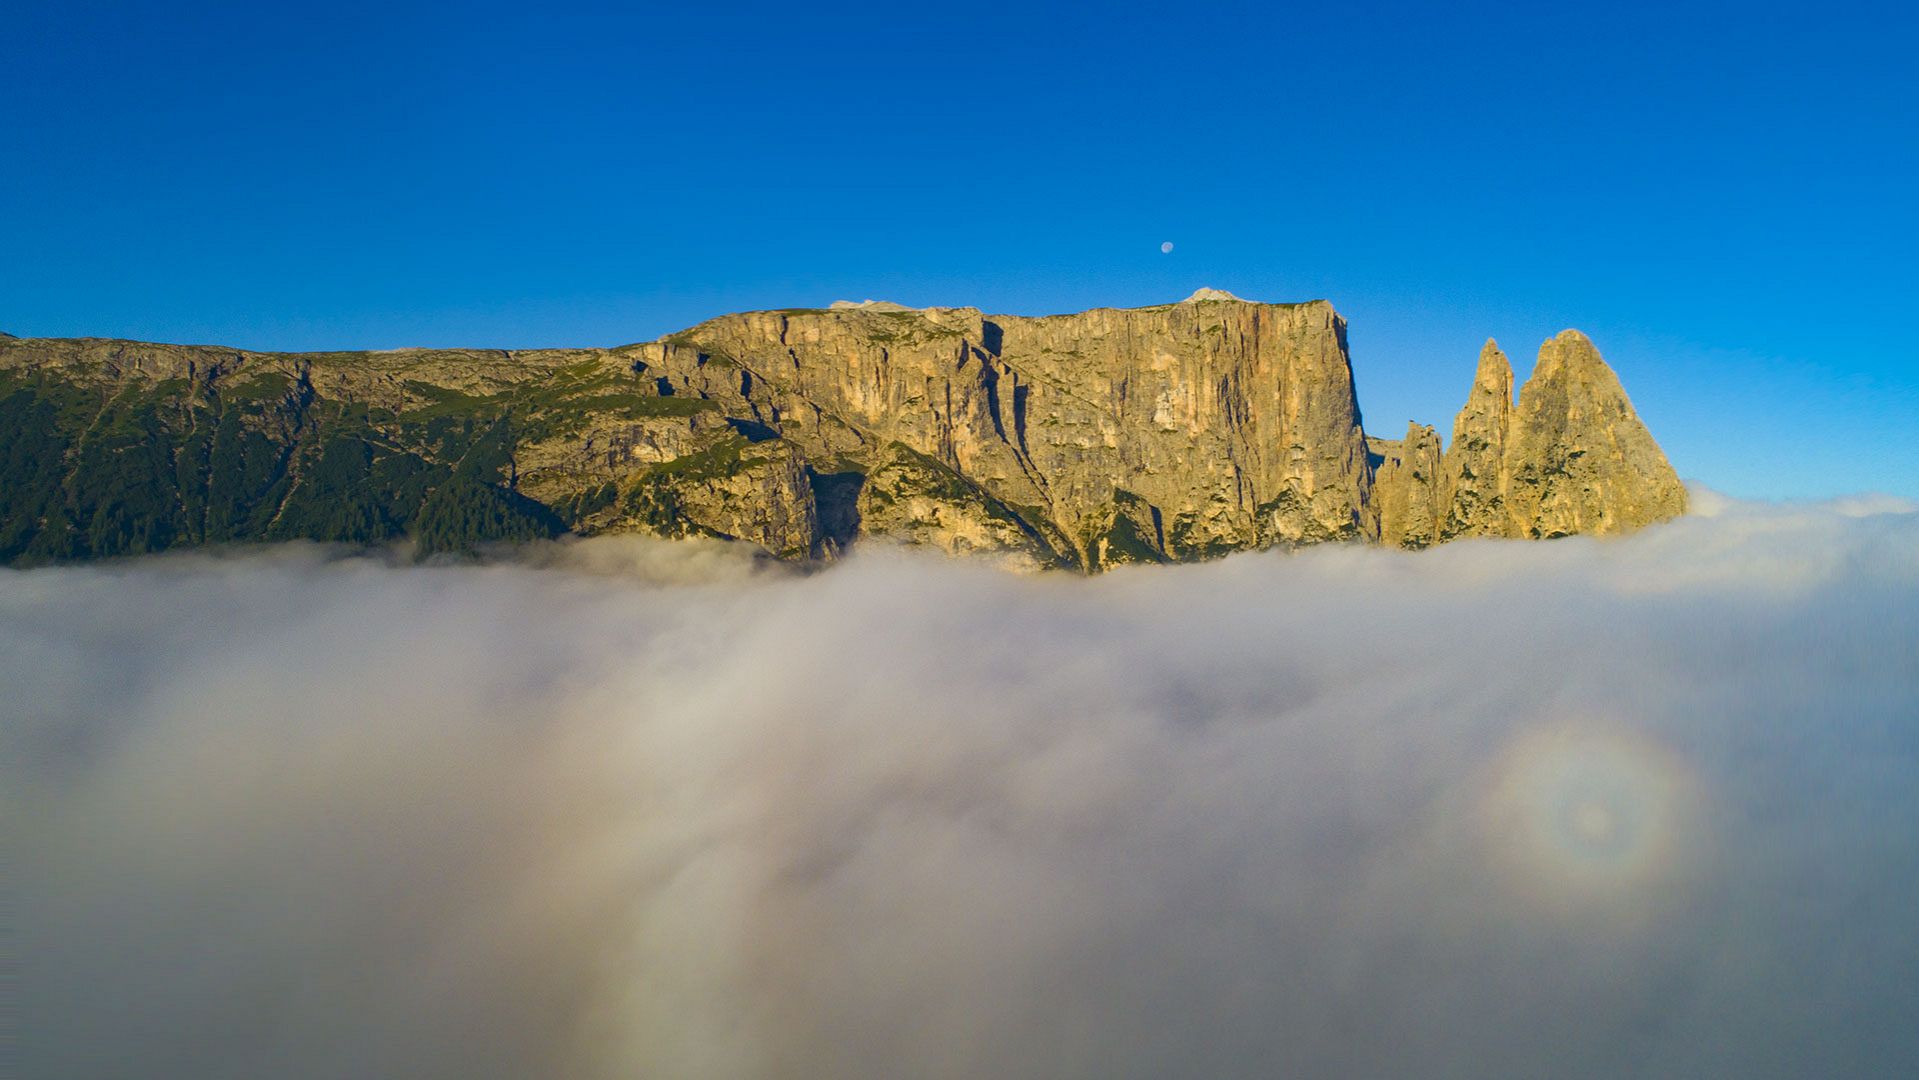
[[1170, 433], [1578, 459], [1407, 487], [1472, 493], [1162, 433], [1571, 457]]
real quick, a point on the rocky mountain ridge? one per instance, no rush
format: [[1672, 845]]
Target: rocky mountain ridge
[[1167, 433]]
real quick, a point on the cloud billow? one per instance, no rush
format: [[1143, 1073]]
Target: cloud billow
[[1637, 807]]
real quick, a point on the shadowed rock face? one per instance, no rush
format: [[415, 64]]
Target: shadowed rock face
[[1168, 433]]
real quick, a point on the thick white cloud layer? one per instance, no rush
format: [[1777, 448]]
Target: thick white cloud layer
[[1643, 807]]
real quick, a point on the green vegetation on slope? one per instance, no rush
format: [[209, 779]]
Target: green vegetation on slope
[[150, 466]]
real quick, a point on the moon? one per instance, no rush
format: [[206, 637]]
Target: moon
[[1166, 248]]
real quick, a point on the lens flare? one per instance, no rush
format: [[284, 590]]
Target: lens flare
[[1583, 815]]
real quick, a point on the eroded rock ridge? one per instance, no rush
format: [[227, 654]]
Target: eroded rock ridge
[[1570, 457], [1168, 433]]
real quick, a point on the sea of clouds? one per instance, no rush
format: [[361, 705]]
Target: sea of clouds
[[620, 808]]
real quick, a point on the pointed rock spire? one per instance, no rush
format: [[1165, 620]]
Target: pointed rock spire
[[1493, 378], [1570, 457], [1475, 478], [1578, 459]]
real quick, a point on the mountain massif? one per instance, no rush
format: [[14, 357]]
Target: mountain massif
[[1169, 433]]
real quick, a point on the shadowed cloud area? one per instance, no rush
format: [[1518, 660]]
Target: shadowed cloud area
[[1637, 807]]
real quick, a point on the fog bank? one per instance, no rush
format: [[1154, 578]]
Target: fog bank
[[618, 808]]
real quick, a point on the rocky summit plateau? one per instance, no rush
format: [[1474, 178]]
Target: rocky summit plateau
[[1170, 433]]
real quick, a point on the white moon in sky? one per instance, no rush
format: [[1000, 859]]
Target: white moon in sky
[[1167, 247]]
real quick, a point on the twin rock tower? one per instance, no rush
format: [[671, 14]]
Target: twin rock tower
[[1159, 434]]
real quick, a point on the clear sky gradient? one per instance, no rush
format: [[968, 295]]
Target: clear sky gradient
[[1722, 196]]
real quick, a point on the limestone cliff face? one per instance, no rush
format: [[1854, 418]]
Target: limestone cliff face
[[1409, 487], [1192, 429], [1165, 433], [1211, 425]]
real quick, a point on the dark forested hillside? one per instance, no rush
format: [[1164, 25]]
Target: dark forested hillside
[[101, 470]]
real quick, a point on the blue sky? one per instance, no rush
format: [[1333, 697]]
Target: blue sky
[[1721, 195]]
